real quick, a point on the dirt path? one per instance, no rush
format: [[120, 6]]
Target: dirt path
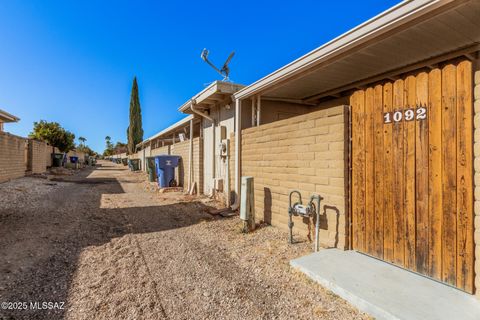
[[112, 249]]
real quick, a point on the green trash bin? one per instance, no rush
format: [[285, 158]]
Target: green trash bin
[[135, 164], [152, 174], [57, 159]]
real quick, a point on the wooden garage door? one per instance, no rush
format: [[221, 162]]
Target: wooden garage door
[[412, 173]]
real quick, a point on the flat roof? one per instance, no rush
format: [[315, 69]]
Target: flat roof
[[174, 126], [406, 34], [7, 117], [216, 91]]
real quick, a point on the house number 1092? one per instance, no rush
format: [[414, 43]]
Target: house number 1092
[[407, 115]]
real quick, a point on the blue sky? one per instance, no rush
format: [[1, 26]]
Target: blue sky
[[73, 61]]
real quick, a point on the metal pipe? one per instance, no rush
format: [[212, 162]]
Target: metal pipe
[[317, 223], [238, 137], [290, 212]]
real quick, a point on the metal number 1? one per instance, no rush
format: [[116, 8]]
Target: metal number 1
[[386, 117]]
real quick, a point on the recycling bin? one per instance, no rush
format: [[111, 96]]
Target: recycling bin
[[165, 166]]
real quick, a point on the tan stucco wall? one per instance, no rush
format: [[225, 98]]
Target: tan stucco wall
[[477, 175], [307, 153]]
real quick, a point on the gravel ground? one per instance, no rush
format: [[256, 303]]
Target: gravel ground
[[110, 247]]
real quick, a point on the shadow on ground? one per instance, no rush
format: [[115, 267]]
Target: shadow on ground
[[41, 241]]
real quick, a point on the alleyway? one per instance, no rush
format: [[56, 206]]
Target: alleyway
[[110, 248]]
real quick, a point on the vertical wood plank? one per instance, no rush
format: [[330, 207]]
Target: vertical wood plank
[[398, 177], [388, 178], [369, 174], [449, 187], [435, 199], [379, 169], [357, 102], [409, 182], [465, 249], [421, 188]]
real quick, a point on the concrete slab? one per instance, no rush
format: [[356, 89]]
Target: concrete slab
[[386, 291]]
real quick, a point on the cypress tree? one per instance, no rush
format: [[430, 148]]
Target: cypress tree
[[135, 131]]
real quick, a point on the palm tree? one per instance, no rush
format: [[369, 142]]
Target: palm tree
[[82, 140]]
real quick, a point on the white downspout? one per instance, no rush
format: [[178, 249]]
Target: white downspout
[[238, 131], [190, 164], [259, 109], [196, 111]]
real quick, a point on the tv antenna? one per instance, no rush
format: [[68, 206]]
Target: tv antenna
[[225, 70]]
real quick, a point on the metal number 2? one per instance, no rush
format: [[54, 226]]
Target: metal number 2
[[421, 113]]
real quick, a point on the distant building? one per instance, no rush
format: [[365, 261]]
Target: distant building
[[6, 117]]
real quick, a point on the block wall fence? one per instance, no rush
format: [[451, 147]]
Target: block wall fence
[[13, 160], [307, 153]]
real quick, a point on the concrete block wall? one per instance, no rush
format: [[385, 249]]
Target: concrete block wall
[[13, 156], [159, 151], [307, 153], [74, 153], [37, 156], [182, 149], [477, 174]]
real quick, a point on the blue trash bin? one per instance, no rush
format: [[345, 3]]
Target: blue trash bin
[[165, 166], [73, 159]]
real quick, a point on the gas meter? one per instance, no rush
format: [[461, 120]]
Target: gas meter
[[306, 211]]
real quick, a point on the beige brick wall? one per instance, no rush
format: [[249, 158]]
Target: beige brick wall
[[307, 153], [477, 175], [159, 151], [13, 161], [182, 149], [37, 156]]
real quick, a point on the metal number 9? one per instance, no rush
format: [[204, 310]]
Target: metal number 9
[[409, 115]]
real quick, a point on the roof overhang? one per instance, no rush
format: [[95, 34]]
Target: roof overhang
[[217, 91], [406, 34], [177, 126], [7, 117]]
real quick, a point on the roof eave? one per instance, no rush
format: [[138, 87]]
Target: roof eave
[[390, 19]]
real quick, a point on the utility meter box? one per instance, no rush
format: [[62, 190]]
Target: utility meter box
[[247, 203], [223, 132], [218, 184], [224, 147]]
